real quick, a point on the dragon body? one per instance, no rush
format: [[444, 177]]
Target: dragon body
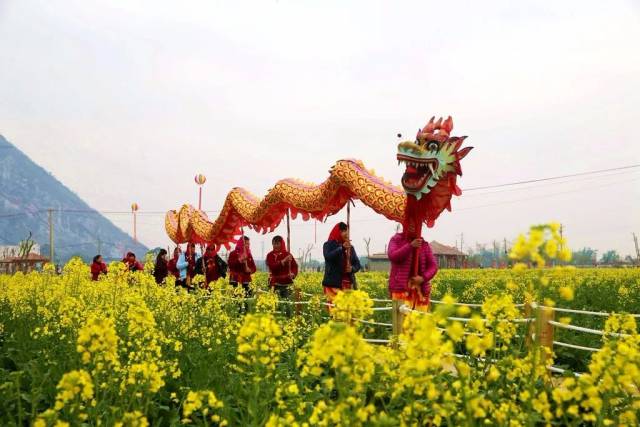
[[432, 164]]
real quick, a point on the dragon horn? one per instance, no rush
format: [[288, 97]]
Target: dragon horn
[[447, 126], [462, 153], [438, 123], [430, 126]]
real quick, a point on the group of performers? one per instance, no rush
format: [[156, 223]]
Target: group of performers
[[341, 265], [409, 278]]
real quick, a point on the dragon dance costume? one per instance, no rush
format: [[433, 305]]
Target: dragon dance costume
[[432, 166]]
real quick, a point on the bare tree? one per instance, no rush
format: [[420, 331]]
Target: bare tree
[[304, 256], [367, 243]]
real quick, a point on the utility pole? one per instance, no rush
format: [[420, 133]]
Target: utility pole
[[635, 240], [506, 254], [51, 252], [461, 242]]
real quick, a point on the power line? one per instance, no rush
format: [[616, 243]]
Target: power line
[[544, 196], [569, 181], [551, 178]]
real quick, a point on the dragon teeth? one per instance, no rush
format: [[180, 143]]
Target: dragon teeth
[[431, 169]]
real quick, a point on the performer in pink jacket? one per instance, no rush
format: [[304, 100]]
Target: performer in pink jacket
[[414, 291]]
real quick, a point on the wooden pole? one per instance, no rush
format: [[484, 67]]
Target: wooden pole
[[348, 251], [288, 231], [200, 198], [349, 214], [135, 235], [289, 239]]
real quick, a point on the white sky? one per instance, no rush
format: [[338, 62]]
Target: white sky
[[127, 101]]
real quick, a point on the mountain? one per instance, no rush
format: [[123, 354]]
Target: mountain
[[27, 191]]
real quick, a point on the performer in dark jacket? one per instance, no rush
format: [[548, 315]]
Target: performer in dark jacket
[[171, 265], [160, 270], [190, 256], [340, 262]]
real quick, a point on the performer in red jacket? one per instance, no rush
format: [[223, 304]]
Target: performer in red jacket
[[98, 267], [132, 263], [283, 268], [211, 272], [242, 266]]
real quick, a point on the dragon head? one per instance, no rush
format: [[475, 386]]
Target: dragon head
[[432, 159], [432, 167]]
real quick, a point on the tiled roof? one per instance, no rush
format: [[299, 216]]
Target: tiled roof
[[30, 258], [436, 247]]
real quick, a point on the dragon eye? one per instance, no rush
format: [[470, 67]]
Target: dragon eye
[[433, 146]]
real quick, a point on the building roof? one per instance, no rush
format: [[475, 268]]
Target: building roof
[[29, 258], [440, 249], [436, 247]]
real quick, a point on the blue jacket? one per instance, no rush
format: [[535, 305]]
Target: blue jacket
[[333, 262], [182, 265]]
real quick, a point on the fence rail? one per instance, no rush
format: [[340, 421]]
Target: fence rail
[[539, 320]]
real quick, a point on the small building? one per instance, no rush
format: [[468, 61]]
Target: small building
[[447, 257], [27, 264], [8, 251]]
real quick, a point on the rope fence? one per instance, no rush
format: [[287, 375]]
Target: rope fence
[[576, 347], [591, 313], [586, 330], [538, 319], [370, 322]]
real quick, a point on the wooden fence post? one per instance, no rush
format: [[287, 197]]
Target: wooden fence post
[[397, 317], [296, 297], [540, 331], [546, 330]]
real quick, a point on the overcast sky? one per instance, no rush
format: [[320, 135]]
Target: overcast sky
[[127, 101]]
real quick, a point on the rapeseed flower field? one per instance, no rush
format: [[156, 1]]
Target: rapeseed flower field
[[124, 351]]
